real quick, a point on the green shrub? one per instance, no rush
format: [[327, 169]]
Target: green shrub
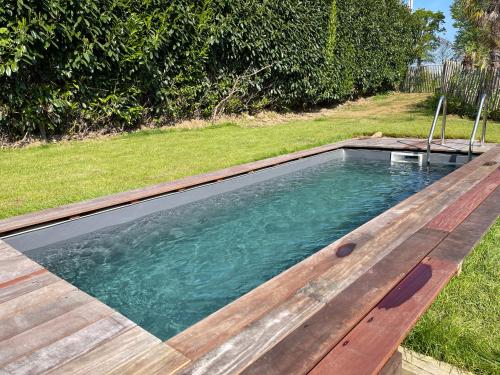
[[457, 106], [77, 65]]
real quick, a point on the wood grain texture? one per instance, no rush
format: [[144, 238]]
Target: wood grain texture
[[394, 366], [374, 340], [313, 339], [160, 359], [7, 251], [367, 347], [465, 237], [69, 347], [19, 279], [457, 212], [418, 364], [53, 330], [105, 358], [240, 350], [36, 315], [42, 295], [17, 267], [18, 287]]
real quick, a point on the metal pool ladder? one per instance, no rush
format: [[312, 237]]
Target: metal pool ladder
[[483, 107], [441, 104]]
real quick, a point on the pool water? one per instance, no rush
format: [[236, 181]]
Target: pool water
[[171, 269]]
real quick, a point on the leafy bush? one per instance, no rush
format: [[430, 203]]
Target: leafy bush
[[77, 65], [457, 106]]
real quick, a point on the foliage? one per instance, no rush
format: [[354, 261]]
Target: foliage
[[470, 38], [427, 26], [78, 65], [478, 35], [457, 106]]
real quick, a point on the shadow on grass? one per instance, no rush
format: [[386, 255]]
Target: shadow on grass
[[425, 107]]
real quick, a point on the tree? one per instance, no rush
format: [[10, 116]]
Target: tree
[[444, 51], [478, 36], [426, 27]]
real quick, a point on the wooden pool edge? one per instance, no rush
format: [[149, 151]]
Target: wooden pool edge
[[238, 337], [242, 335], [75, 210]]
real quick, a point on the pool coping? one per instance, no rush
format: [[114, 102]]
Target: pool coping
[[74, 210], [235, 337]]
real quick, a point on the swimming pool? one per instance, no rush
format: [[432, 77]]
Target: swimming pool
[[168, 262]]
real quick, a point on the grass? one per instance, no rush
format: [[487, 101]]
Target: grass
[[46, 176], [462, 326]]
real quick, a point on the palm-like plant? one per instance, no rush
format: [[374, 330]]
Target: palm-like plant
[[486, 15]]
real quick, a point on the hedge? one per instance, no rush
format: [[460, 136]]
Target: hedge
[[77, 65]]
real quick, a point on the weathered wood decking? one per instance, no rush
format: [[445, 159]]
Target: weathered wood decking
[[48, 325], [287, 325]]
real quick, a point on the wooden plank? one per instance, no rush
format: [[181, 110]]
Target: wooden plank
[[19, 279], [375, 339], [464, 238], [162, 359], [303, 348], [41, 295], [215, 329], [112, 354], [52, 330], [453, 215], [36, 315], [17, 266], [418, 364], [370, 344], [76, 209], [25, 284], [237, 352], [64, 350], [7, 251]]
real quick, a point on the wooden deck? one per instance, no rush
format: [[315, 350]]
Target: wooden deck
[[295, 323], [48, 325]]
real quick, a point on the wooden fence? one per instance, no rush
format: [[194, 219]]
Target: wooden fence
[[455, 80], [424, 78]]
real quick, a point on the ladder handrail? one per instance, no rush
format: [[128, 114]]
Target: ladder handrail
[[485, 120], [442, 100], [484, 99]]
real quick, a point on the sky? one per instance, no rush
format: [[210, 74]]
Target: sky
[[443, 6]]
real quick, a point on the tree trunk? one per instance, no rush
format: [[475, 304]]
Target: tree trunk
[[43, 133]]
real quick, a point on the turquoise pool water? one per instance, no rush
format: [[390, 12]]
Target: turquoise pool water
[[171, 269]]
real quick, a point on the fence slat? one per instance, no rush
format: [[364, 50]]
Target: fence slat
[[451, 78]]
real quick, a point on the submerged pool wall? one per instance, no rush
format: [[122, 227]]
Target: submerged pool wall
[[45, 236]]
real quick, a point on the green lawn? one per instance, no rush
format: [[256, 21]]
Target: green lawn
[[40, 177], [462, 326]]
